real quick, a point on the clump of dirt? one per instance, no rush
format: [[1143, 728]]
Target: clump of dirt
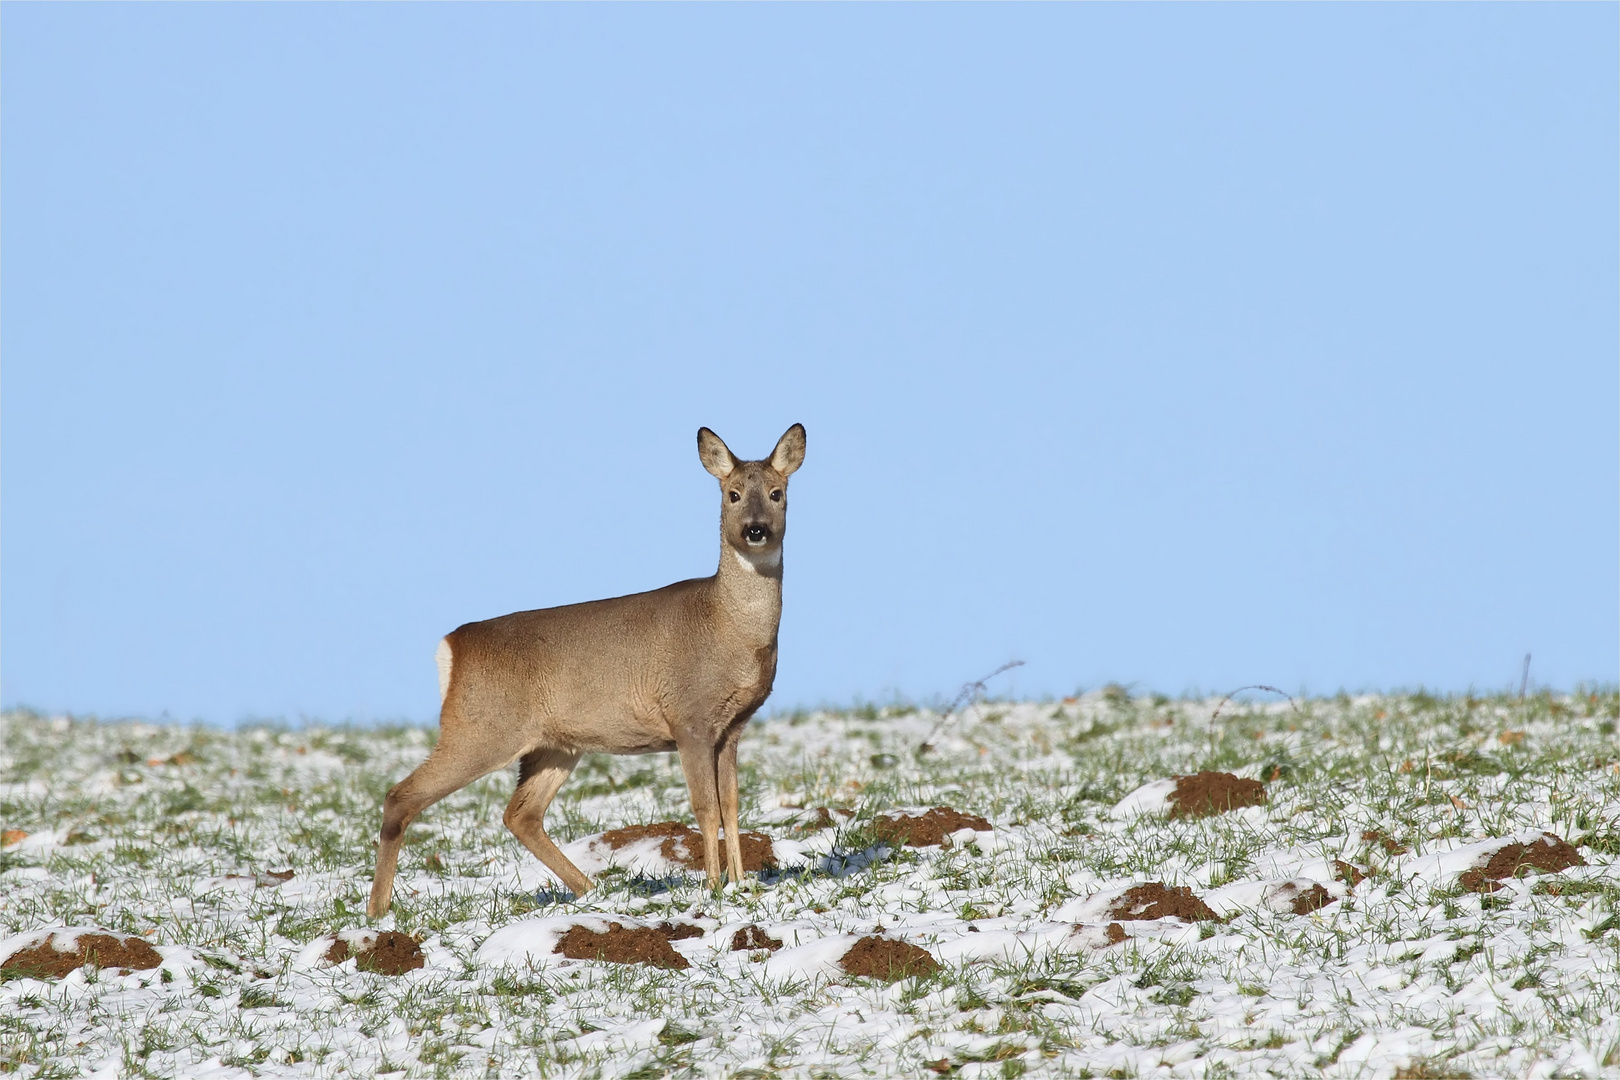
[[1115, 933], [884, 958], [1390, 845], [46, 961], [12, 836], [1426, 1070], [752, 937], [684, 844], [392, 953], [1207, 793], [927, 830], [823, 819], [680, 931], [1349, 873], [621, 945], [1312, 899], [1154, 901], [271, 880], [1549, 855]]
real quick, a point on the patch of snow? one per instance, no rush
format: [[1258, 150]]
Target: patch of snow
[[1151, 798]]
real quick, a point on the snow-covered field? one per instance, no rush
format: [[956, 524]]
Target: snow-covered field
[[183, 837]]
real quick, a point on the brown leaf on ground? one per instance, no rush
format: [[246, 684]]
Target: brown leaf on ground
[[1348, 873], [1390, 845]]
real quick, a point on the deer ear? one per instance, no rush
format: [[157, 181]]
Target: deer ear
[[714, 454], [789, 452]]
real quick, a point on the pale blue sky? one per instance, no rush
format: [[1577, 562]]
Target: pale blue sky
[[1183, 346]]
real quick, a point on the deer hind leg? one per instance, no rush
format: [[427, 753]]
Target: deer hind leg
[[452, 766], [699, 765], [726, 782], [540, 777]]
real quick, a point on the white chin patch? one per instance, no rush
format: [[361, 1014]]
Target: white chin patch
[[443, 658], [756, 564]]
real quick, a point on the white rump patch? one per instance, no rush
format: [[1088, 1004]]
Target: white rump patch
[[442, 657]]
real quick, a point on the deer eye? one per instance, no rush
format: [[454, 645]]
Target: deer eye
[[776, 496], [735, 496]]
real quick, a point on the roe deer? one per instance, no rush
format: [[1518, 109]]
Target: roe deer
[[679, 668]]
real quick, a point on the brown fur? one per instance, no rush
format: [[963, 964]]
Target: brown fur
[[680, 668]]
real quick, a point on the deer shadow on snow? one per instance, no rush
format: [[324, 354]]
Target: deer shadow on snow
[[837, 863]]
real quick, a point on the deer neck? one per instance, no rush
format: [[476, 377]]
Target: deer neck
[[750, 589]]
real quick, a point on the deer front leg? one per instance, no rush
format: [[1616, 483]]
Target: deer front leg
[[726, 782], [698, 763]]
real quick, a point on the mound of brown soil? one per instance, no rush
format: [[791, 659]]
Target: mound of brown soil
[[1312, 899], [684, 844], [621, 945], [680, 931], [1206, 793], [1116, 933], [752, 937], [927, 830], [392, 953], [884, 958], [46, 961], [1549, 855], [1154, 901]]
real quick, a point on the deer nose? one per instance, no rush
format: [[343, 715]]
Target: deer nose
[[756, 535]]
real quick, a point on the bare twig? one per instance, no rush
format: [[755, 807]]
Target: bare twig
[[1255, 686], [968, 693]]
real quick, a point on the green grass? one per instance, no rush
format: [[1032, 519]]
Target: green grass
[[1261, 993]]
